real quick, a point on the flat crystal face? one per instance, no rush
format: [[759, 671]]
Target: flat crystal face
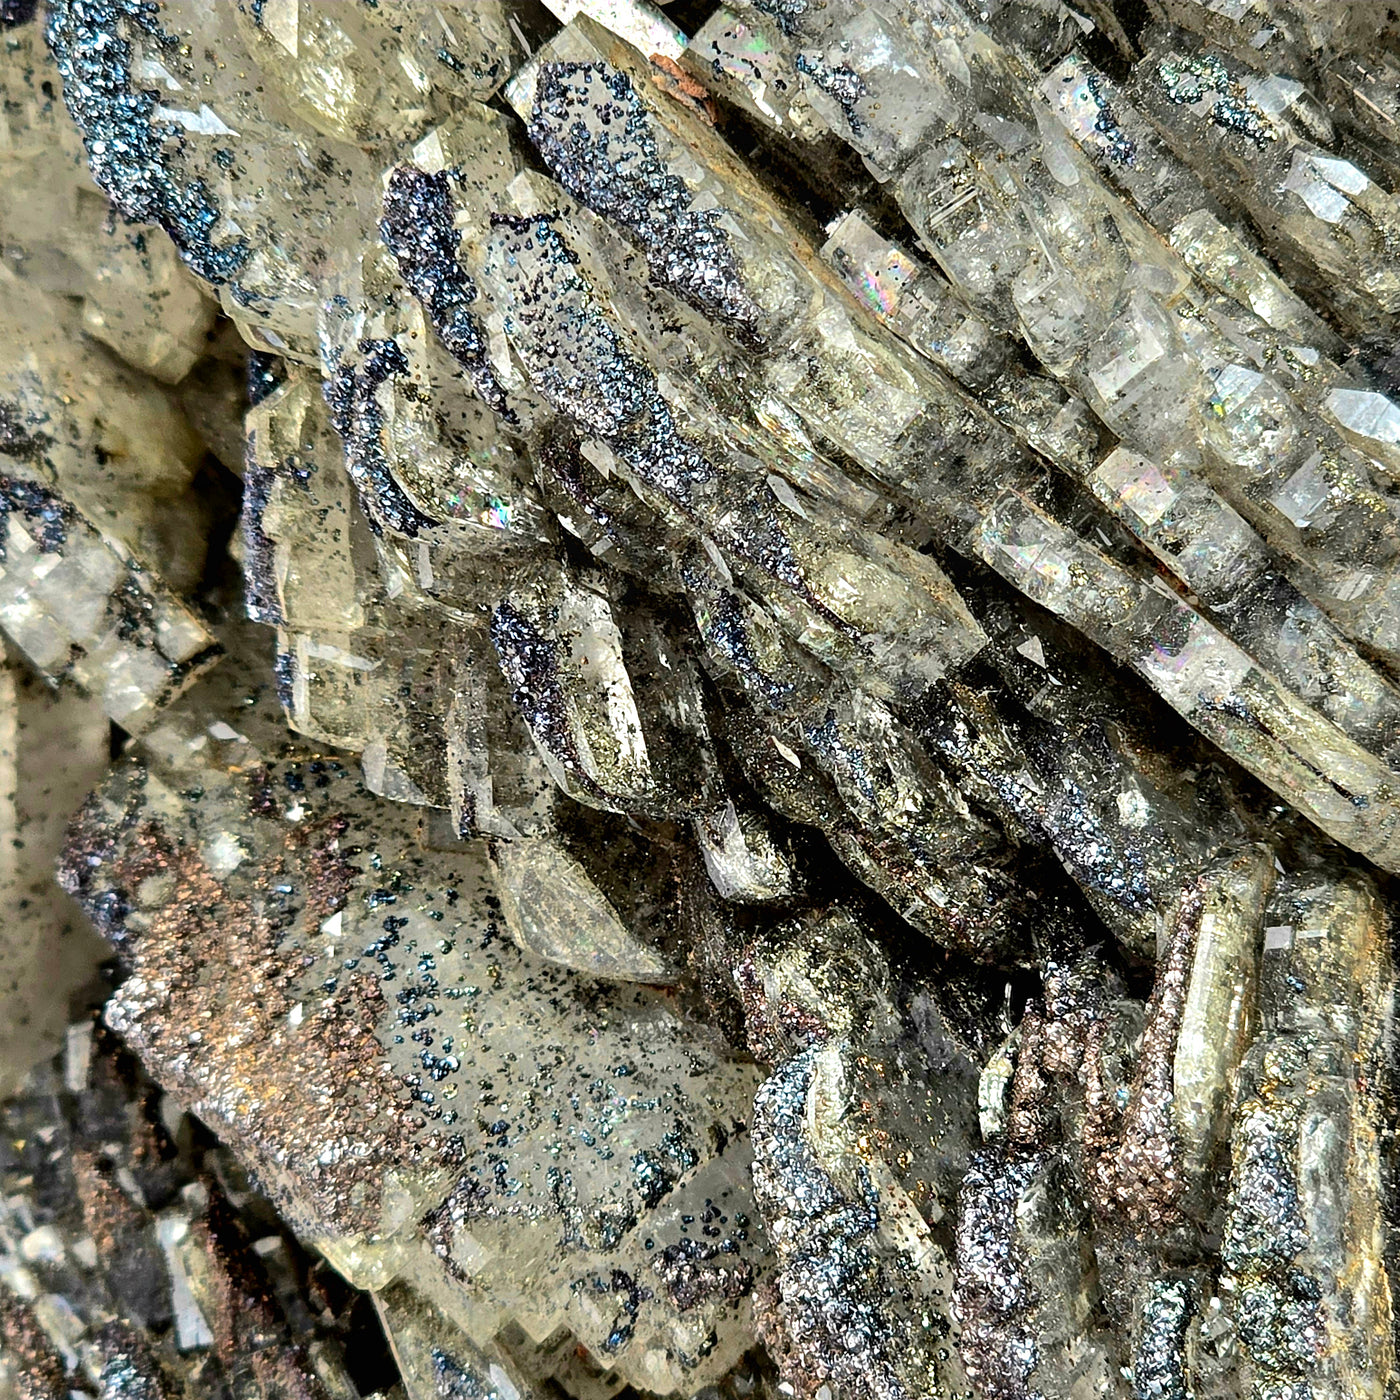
[[698, 699]]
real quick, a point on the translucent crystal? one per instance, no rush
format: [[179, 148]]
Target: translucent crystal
[[1322, 214], [1301, 1252], [112, 442], [556, 912], [239, 175], [1197, 670], [402, 995], [79, 608], [806, 629], [59, 231], [378, 74], [436, 1362], [1218, 1009], [744, 59]]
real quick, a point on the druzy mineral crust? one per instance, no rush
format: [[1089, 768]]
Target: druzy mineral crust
[[699, 702]]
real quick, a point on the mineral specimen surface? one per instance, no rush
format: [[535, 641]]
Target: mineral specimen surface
[[699, 700]]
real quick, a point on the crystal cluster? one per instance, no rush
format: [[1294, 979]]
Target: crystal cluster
[[724, 686]]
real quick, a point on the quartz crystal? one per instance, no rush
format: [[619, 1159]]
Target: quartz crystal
[[699, 699]]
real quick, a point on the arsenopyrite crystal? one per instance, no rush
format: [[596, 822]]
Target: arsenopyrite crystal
[[729, 704]]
